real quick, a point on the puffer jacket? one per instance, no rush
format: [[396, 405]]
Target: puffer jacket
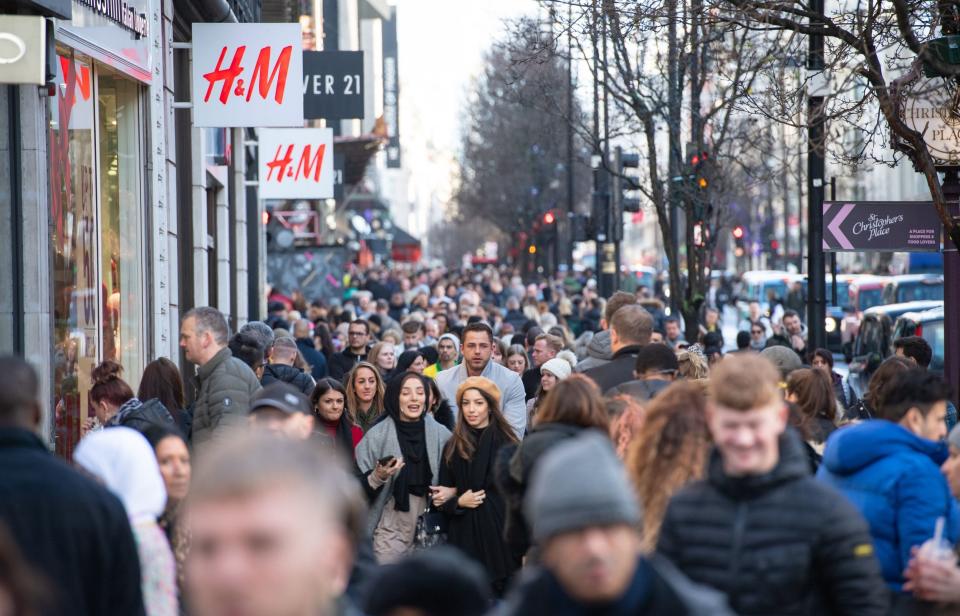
[[598, 352], [141, 416], [291, 375], [893, 477], [779, 543], [225, 386]]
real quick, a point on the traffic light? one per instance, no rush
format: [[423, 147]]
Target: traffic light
[[698, 162], [738, 232], [624, 185], [549, 218]]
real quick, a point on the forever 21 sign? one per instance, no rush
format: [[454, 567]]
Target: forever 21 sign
[[333, 85]]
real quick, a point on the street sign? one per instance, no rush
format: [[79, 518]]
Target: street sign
[[247, 75], [391, 90], [333, 85], [296, 163], [23, 49], [880, 226], [930, 107]]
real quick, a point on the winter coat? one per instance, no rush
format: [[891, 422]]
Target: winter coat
[[617, 371], [225, 387], [516, 318], [780, 543], [342, 363], [513, 468], [657, 588], [141, 416], [70, 529], [381, 441], [318, 363], [893, 477], [531, 383], [598, 352], [641, 390], [512, 401], [290, 375], [842, 391], [478, 532]]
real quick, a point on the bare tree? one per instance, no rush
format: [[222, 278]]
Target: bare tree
[[675, 76], [874, 53]]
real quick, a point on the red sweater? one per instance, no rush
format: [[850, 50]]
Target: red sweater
[[331, 428]]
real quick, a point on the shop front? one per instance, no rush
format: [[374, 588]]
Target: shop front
[[98, 144]]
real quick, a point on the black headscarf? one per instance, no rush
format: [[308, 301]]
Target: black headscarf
[[414, 478], [406, 359]]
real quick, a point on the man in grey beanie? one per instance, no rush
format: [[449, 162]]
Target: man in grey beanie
[[585, 517]]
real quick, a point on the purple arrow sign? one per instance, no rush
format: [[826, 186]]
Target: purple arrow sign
[[880, 226]]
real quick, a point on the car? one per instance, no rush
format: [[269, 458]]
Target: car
[[912, 287], [759, 284], [928, 325], [874, 341], [837, 314]]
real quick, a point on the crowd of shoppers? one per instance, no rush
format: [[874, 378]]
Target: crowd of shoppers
[[463, 443]]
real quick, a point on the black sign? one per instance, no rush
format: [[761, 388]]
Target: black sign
[[391, 90], [333, 85], [339, 165], [880, 226]]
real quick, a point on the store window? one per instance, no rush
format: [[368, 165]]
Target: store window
[[96, 208]]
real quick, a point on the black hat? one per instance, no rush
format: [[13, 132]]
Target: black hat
[[275, 306], [282, 397]]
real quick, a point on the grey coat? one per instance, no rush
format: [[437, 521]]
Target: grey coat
[[225, 387], [380, 441], [513, 399]]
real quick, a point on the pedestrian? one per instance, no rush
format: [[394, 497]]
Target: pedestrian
[[783, 359], [630, 328], [673, 336], [383, 355], [282, 367], [890, 469], [768, 535], [329, 402], [743, 343], [692, 364], [918, 350], [358, 337], [758, 336], [22, 591], [161, 380], [599, 350], [399, 457], [823, 359], [573, 405], [626, 418], [225, 384], [865, 408], [440, 407], [438, 581], [281, 409], [310, 354], [411, 361], [123, 460], [323, 341], [478, 361], [173, 458], [812, 391], [271, 524], [669, 452], [655, 368], [114, 404], [448, 348], [545, 348], [262, 333], [517, 359], [711, 325], [68, 527], [585, 518], [246, 348], [476, 507], [552, 372], [365, 389], [791, 334]]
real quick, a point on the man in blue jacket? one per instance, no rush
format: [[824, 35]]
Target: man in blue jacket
[[889, 468]]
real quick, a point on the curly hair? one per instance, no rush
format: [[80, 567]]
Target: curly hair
[[669, 452], [692, 366]]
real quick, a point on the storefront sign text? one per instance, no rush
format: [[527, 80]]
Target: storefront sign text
[[124, 14], [296, 163], [880, 226]]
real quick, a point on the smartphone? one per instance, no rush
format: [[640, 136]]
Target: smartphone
[[385, 460]]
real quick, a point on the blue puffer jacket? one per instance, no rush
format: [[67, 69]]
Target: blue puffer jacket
[[893, 477]]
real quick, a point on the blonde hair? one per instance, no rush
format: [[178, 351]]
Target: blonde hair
[[744, 382], [692, 366]]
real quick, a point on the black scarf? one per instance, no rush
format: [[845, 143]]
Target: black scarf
[[414, 478], [485, 444]]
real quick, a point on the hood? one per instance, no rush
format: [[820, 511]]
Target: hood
[[852, 448], [282, 372], [599, 346]]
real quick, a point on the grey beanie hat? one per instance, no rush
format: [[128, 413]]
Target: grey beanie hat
[[579, 483], [785, 359], [452, 338]]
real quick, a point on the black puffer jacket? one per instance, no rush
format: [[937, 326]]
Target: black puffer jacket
[[290, 375], [781, 543]]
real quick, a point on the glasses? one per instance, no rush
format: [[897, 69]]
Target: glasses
[[357, 333]]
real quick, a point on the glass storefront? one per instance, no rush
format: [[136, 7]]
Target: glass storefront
[[97, 203]]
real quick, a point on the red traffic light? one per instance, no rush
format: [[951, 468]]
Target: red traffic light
[[695, 160], [774, 245], [738, 232], [549, 218]]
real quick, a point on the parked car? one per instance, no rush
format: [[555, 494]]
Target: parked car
[[927, 324], [874, 341], [913, 287], [758, 284]]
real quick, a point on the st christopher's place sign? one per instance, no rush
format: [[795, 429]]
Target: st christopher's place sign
[[880, 226]]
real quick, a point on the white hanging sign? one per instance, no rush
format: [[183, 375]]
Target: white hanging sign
[[296, 163]]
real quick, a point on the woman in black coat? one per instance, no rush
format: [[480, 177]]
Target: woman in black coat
[[477, 509]]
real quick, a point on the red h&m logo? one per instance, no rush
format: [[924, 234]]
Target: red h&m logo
[[261, 79], [308, 167]]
